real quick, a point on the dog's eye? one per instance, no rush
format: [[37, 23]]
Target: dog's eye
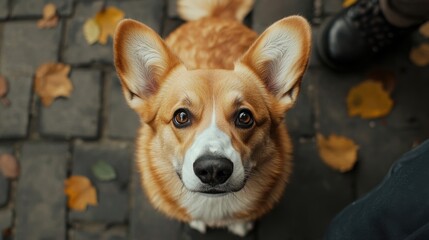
[[244, 119], [181, 118]]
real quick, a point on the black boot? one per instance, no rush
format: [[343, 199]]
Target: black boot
[[357, 34]]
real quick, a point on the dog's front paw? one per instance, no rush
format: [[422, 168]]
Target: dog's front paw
[[240, 228], [198, 225]]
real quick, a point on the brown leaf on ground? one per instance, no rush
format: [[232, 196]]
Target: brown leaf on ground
[[420, 55], [348, 3], [91, 31], [424, 29], [385, 77], [9, 166], [80, 193], [50, 18], [108, 19], [338, 152], [369, 100], [4, 89], [51, 81]]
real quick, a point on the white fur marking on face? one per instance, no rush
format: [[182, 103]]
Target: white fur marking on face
[[211, 141], [212, 209]]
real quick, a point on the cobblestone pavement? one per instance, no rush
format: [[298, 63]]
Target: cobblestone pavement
[[95, 123]]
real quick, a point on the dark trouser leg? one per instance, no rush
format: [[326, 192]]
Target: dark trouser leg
[[397, 209]]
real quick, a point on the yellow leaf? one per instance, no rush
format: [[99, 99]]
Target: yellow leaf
[[80, 193], [369, 100], [420, 55], [339, 153], [424, 29], [49, 11], [50, 18], [107, 19], [51, 81], [91, 31], [348, 3]]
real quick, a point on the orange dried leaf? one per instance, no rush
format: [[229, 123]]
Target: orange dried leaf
[[338, 152], [4, 89], [107, 20], [51, 81], [369, 100], [50, 18], [424, 29], [80, 193], [9, 166], [348, 3], [420, 55]]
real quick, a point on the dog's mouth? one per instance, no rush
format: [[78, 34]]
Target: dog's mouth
[[214, 191]]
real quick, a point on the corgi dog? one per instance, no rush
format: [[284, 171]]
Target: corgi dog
[[213, 149]]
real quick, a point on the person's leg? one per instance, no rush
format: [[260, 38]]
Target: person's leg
[[366, 29], [397, 209]]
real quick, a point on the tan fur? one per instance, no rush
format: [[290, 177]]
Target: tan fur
[[213, 46]]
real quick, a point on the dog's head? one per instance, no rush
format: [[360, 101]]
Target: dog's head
[[212, 126]]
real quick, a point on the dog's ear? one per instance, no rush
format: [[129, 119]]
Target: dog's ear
[[280, 56], [142, 60]]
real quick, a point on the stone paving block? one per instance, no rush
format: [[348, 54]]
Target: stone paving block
[[15, 118], [123, 122], [34, 8], [172, 8], [300, 119], [40, 191], [266, 12], [4, 8], [214, 234], [112, 195], [4, 182], [381, 142], [4, 190], [170, 24], [145, 221], [314, 196], [24, 47], [77, 50], [77, 115], [6, 219], [110, 234]]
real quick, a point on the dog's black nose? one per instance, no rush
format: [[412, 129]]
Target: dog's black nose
[[213, 170]]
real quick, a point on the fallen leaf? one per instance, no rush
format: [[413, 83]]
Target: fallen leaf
[[9, 166], [386, 77], [338, 152], [91, 31], [424, 29], [4, 89], [80, 193], [369, 100], [49, 11], [50, 18], [51, 81], [348, 3], [420, 55], [107, 19], [103, 171]]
